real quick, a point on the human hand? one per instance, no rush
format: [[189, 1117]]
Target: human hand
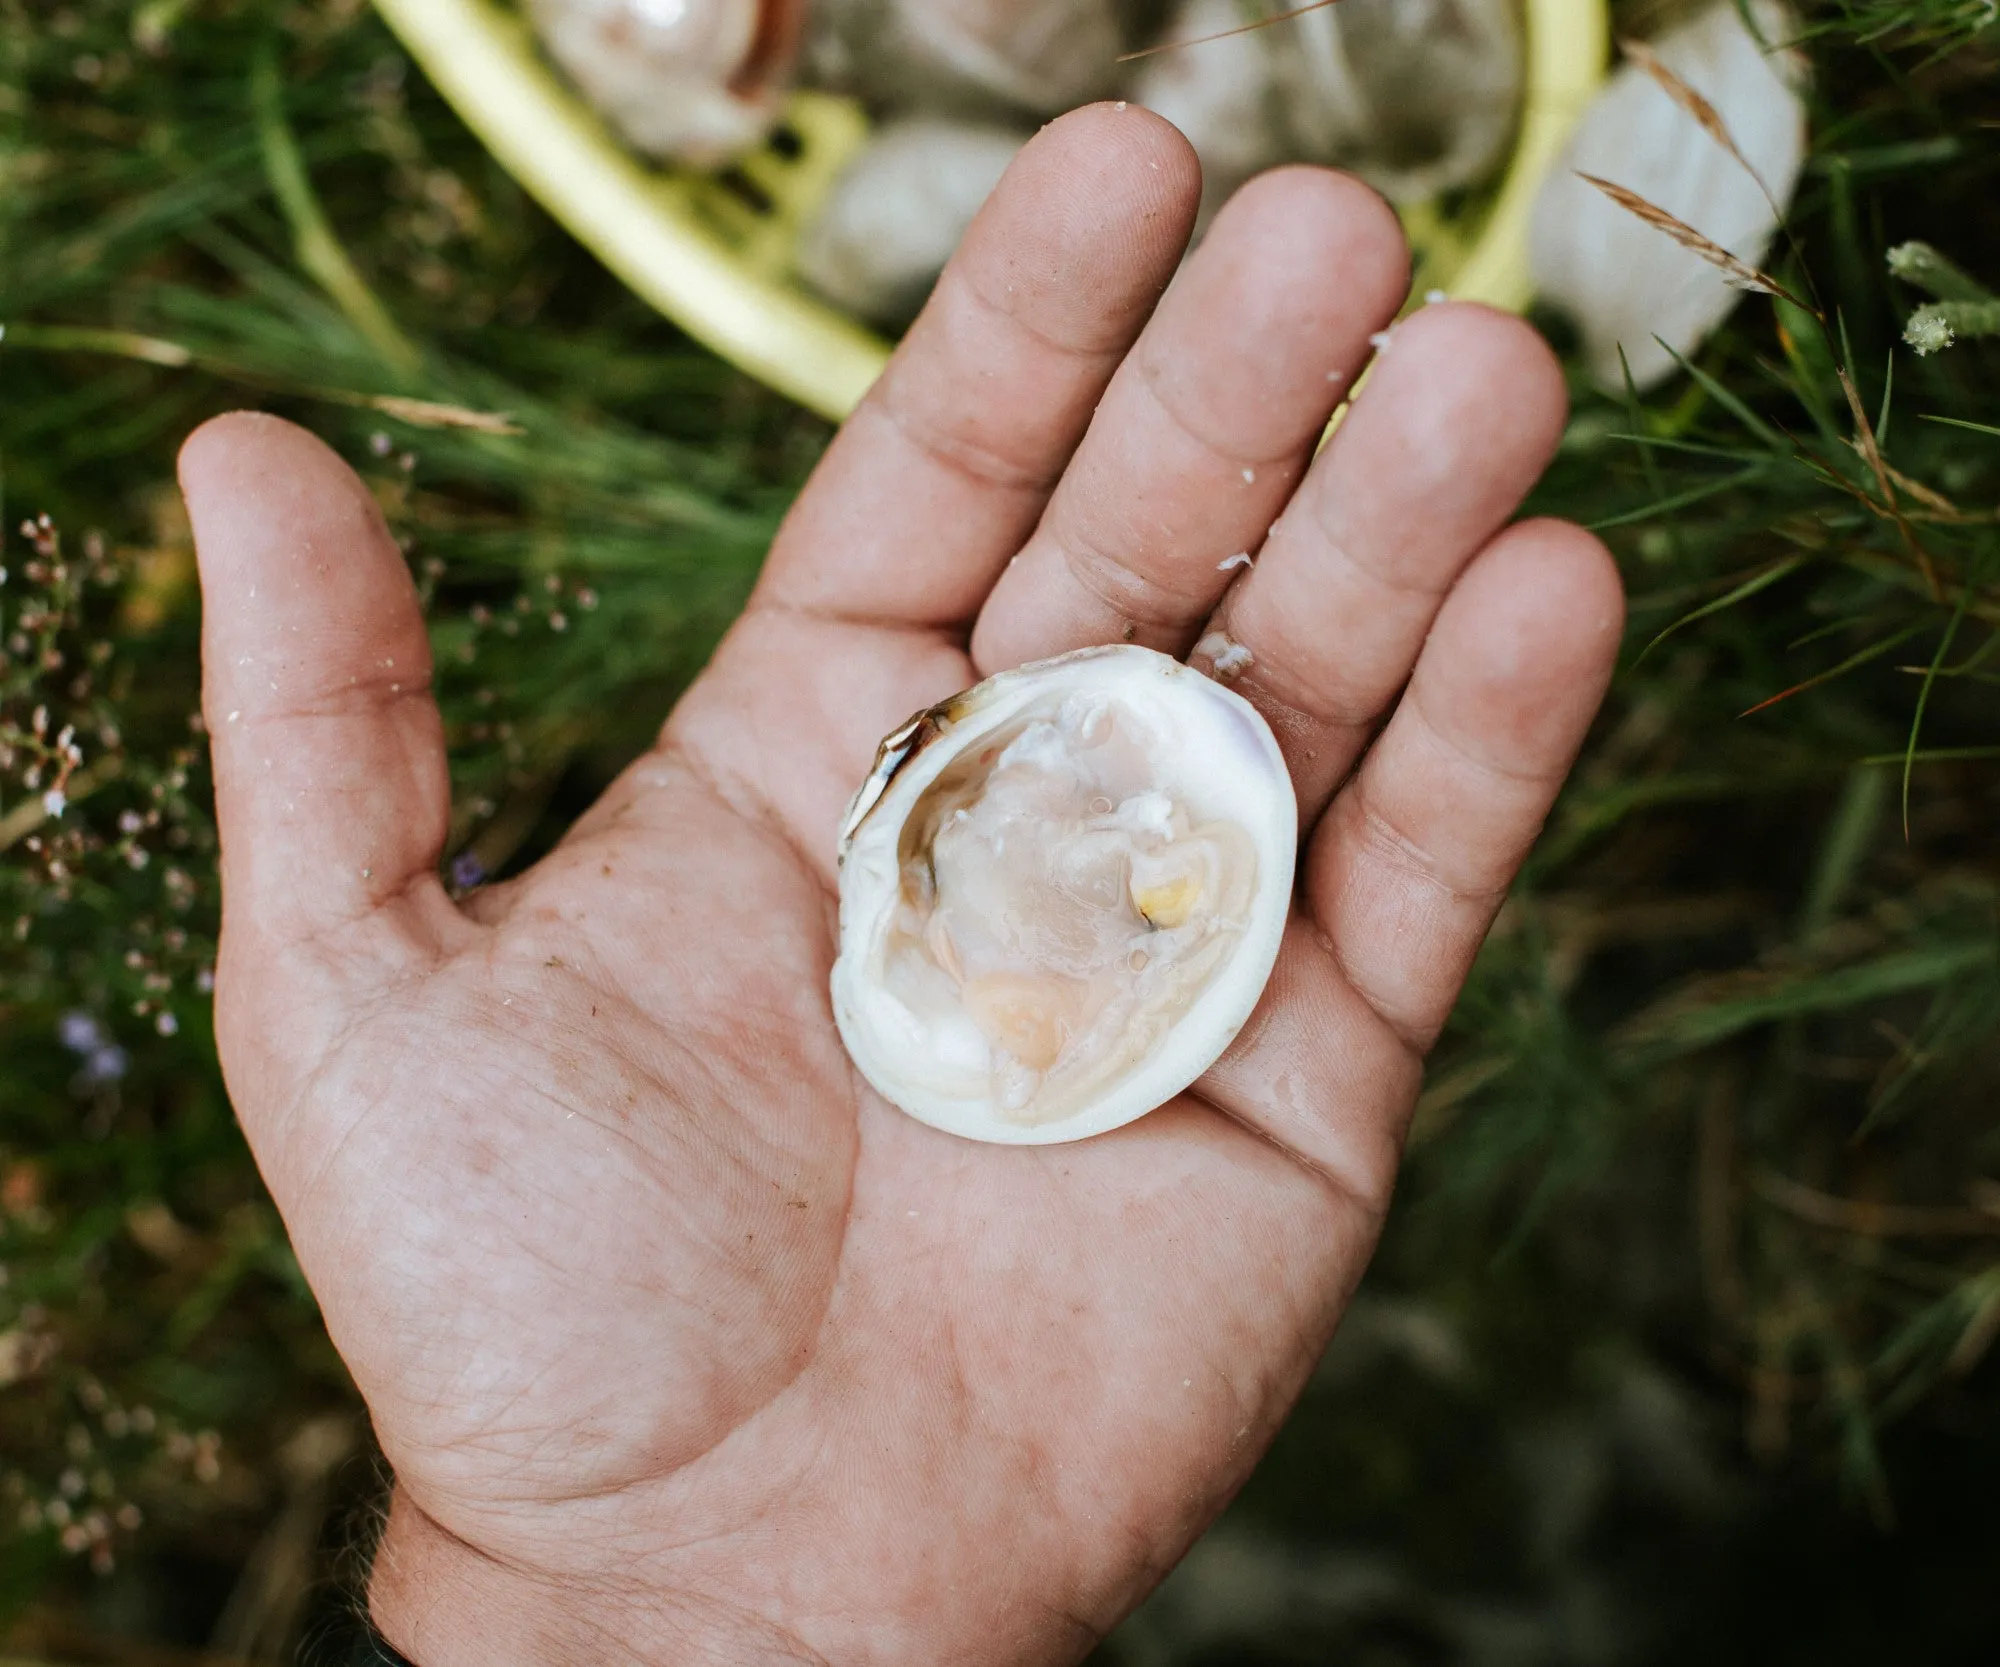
[[683, 1345]]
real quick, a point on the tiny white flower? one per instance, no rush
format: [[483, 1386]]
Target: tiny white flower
[[1928, 331]]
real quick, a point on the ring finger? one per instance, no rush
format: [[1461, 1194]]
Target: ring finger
[[1208, 423], [1460, 416]]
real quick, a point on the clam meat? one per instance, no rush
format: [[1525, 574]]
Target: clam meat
[[1061, 894]]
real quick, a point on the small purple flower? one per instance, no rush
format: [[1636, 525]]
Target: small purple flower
[[104, 1066], [467, 871], [80, 1033]]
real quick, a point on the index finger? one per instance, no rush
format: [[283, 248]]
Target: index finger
[[941, 473]]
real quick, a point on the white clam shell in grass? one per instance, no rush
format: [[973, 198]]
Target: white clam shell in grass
[[1627, 284], [1061, 895]]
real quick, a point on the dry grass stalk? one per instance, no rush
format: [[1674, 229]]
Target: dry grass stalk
[[1978, 1337], [1929, 496], [1871, 453], [1870, 1219], [1709, 119], [1642, 56], [428, 413], [1226, 34], [1739, 272]]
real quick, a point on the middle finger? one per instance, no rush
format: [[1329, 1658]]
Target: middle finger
[[1207, 425]]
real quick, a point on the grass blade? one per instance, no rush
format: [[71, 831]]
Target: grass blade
[[1874, 651], [318, 250], [1743, 592], [1708, 384], [1961, 422], [1924, 692], [1681, 500]]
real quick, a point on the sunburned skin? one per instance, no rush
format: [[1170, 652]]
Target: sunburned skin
[[1060, 906]]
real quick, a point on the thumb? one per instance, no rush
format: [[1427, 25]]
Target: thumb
[[332, 796]]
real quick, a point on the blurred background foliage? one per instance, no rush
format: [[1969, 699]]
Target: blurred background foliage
[[1682, 1337]]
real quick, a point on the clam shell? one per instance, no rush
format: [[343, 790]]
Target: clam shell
[[1416, 96], [1207, 755], [694, 81], [991, 59]]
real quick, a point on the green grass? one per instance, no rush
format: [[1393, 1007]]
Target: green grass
[[1712, 1132]]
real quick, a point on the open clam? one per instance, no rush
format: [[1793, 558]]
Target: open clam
[[1061, 895]]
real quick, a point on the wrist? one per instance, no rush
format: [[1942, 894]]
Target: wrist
[[441, 1602]]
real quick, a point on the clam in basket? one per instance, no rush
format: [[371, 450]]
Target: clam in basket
[[714, 252]]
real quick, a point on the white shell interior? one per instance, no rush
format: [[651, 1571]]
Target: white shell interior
[[1061, 895]]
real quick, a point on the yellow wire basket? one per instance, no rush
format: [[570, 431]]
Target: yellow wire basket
[[717, 260]]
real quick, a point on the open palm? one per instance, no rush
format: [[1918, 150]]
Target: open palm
[[685, 1346]]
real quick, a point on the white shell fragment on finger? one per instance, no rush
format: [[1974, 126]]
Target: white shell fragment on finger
[[1061, 895], [693, 81], [1627, 284]]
